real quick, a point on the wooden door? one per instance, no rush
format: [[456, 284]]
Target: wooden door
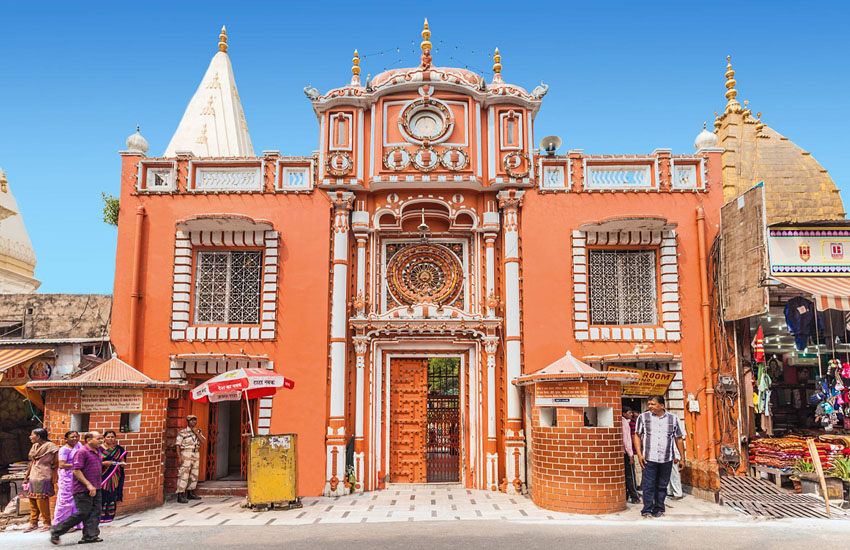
[[408, 418]]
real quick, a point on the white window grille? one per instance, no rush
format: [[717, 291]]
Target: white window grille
[[227, 287], [623, 288]]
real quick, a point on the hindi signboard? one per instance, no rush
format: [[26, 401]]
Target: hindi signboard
[[651, 382], [561, 394], [111, 400]]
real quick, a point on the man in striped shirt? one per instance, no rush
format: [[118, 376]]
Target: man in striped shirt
[[656, 433]]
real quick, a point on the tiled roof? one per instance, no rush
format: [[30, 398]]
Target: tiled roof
[[570, 368], [112, 373]]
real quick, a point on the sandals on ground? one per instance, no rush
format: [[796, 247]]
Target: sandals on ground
[[87, 541]]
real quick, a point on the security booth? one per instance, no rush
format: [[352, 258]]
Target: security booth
[[115, 396], [576, 437], [271, 475]]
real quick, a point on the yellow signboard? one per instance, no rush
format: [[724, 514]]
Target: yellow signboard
[[110, 400], [651, 382]]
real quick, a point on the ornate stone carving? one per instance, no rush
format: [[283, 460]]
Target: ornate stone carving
[[425, 272]]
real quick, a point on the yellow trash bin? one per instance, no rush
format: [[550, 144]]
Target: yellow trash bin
[[272, 478]]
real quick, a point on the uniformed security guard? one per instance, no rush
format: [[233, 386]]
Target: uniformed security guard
[[188, 446]]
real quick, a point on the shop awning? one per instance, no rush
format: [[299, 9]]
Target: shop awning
[[11, 357], [828, 292]]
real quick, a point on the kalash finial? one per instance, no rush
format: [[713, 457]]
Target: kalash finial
[[717, 122], [426, 45], [222, 40], [355, 69], [497, 62], [732, 105]]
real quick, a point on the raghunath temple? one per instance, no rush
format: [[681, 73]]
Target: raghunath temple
[[427, 278]]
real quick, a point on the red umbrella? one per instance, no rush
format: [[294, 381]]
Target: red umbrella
[[232, 385]]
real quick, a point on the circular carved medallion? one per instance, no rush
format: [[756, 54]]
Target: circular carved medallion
[[338, 164], [397, 158], [454, 158], [426, 159], [516, 164], [425, 272]]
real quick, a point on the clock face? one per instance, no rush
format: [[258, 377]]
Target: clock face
[[426, 124]]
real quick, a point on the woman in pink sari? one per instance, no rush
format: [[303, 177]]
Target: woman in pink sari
[[64, 497]]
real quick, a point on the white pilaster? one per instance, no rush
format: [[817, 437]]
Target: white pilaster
[[491, 344], [510, 202], [342, 202]]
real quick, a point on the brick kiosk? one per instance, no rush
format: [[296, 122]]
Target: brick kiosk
[[576, 437], [115, 396]]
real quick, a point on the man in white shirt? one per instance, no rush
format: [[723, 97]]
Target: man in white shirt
[[657, 433]]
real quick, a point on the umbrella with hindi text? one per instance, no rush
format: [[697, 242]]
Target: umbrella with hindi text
[[233, 385]]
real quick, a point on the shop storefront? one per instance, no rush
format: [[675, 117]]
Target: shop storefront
[[796, 355]]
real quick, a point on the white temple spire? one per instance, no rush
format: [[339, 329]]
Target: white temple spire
[[214, 123]]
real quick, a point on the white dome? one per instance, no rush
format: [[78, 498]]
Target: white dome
[[136, 143], [705, 139]]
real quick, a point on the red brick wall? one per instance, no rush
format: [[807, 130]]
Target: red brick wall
[[579, 469], [143, 487], [176, 421]]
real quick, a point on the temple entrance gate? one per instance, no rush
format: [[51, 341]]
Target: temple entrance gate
[[425, 426]]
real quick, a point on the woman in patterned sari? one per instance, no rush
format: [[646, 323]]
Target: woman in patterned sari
[[64, 506], [113, 456]]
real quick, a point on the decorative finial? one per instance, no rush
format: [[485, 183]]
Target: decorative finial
[[747, 111], [136, 143], [355, 69], [222, 40], [717, 122], [732, 105], [497, 62], [426, 45], [759, 125], [4, 187]]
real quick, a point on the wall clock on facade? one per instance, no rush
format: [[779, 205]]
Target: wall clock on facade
[[424, 120], [338, 163]]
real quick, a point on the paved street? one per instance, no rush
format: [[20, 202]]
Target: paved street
[[437, 517], [488, 535]]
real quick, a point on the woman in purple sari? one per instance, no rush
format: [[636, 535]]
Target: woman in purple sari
[[64, 496], [113, 456]]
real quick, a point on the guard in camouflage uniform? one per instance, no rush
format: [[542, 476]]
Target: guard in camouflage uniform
[[188, 446]]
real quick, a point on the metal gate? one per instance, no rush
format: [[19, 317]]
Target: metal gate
[[212, 437], [442, 454]]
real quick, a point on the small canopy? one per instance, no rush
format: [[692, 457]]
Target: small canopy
[[11, 357], [829, 292], [570, 368]]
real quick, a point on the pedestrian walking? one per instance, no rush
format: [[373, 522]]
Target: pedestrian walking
[[64, 494], [88, 467], [657, 432], [188, 449], [43, 461], [629, 457], [674, 489], [114, 457]]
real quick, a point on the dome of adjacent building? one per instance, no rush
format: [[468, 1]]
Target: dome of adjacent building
[[705, 139], [17, 257], [136, 143]]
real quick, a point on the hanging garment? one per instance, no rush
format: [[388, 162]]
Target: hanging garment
[[763, 405], [800, 318], [758, 346]]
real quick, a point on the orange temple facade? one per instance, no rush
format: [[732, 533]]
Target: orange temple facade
[[406, 274]]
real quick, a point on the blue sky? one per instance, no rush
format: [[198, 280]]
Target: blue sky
[[625, 77]]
